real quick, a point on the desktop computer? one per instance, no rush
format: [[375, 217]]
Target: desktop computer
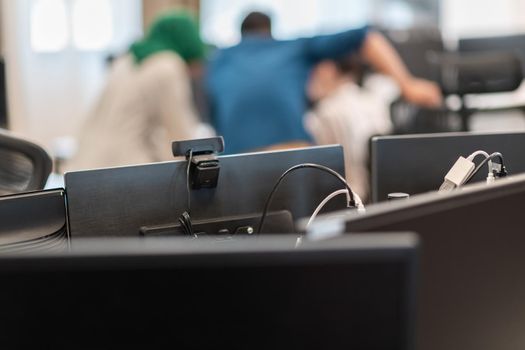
[[472, 266], [415, 164], [349, 293]]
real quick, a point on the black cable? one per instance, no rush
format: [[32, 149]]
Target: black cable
[[502, 173], [188, 190], [186, 224], [485, 161], [185, 219], [297, 167]]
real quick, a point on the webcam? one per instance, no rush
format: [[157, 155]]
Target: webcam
[[202, 153]]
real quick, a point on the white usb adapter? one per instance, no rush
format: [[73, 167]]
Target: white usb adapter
[[458, 174]]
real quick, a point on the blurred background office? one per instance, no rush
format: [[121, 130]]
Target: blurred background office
[[56, 54]]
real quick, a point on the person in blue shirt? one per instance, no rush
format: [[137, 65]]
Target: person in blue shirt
[[257, 89]]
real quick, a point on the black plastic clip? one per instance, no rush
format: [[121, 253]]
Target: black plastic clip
[[205, 166]]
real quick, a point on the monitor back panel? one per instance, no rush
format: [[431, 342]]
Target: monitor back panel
[[472, 265], [418, 163], [119, 201], [35, 220], [339, 297]]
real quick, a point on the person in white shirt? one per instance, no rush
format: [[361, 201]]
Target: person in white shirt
[[147, 102], [344, 113]]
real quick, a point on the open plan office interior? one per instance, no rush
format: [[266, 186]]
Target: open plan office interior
[[262, 174]]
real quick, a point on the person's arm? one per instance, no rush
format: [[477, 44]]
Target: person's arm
[[378, 52], [333, 46]]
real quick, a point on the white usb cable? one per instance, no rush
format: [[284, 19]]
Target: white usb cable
[[357, 199], [462, 170], [486, 155]]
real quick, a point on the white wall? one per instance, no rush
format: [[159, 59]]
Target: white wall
[[50, 93], [221, 19], [476, 18]]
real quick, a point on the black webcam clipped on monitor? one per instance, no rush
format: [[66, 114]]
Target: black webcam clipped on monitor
[[202, 154]]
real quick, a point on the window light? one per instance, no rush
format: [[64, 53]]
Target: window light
[[92, 22], [49, 27]]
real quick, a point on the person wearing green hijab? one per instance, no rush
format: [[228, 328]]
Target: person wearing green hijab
[[174, 31], [147, 102]]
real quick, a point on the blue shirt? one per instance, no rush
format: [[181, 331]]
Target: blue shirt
[[257, 89]]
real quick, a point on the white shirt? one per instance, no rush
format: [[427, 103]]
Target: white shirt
[[142, 109], [350, 116]]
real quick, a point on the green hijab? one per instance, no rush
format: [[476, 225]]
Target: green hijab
[[174, 31]]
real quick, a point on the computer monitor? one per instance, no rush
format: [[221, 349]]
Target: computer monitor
[[350, 293], [128, 201], [418, 163], [31, 222], [472, 265], [3, 95]]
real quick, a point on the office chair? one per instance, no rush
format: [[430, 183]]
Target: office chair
[[478, 73], [24, 166], [506, 43], [460, 74], [415, 46]]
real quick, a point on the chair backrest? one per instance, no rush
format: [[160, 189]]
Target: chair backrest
[[506, 43], [24, 166], [462, 73]]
